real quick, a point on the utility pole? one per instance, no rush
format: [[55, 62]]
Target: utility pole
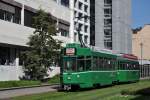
[[141, 67]]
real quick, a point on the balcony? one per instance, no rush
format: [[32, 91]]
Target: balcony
[[15, 34]]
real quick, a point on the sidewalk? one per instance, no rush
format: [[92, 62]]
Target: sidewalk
[[6, 94]]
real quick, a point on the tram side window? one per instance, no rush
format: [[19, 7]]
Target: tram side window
[[119, 65], [81, 63], [137, 66], [94, 63], [134, 66], [105, 67], [100, 63], [131, 66], [88, 63], [97, 63], [104, 63], [114, 63], [108, 64], [70, 65], [122, 66], [127, 66]]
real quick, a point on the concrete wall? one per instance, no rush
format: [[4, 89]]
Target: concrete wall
[[49, 6], [53, 71], [121, 26], [11, 33], [11, 73], [99, 23]]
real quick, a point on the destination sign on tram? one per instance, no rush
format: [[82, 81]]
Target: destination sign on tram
[[70, 51]]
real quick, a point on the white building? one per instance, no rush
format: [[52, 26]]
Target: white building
[[16, 26], [79, 20], [16, 18]]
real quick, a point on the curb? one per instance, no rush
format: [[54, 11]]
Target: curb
[[146, 78], [23, 87]]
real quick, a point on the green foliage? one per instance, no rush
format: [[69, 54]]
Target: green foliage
[[136, 30], [55, 79], [9, 84], [44, 49]]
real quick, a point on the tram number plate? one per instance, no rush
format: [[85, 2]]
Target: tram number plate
[[70, 51]]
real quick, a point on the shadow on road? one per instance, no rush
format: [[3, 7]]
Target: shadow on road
[[143, 94]]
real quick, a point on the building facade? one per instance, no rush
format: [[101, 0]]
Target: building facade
[[141, 47], [140, 43], [16, 18], [111, 25], [79, 20]]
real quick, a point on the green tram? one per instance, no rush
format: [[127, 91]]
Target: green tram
[[86, 68]]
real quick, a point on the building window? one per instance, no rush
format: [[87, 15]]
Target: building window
[[80, 27], [2, 14], [85, 28], [108, 44], [8, 16], [75, 37], [92, 22], [107, 12], [85, 8], [64, 33], [107, 22], [65, 3], [80, 5], [107, 2], [86, 19], [75, 3], [75, 25], [80, 16], [107, 32], [10, 13], [28, 18], [75, 14], [85, 1], [85, 39]]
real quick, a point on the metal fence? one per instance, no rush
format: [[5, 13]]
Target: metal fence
[[145, 71]]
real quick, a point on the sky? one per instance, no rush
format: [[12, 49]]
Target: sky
[[140, 13]]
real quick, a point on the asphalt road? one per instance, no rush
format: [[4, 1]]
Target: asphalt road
[[4, 95]]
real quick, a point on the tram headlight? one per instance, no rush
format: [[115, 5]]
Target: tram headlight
[[69, 78], [78, 76]]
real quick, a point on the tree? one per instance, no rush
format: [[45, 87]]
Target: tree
[[136, 30], [44, 49]]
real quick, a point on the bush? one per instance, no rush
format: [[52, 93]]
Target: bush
[[55, 79], [128, 92]]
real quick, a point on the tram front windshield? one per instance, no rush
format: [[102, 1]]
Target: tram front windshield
[[69, 64]]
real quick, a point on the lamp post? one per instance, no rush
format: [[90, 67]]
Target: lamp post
[[141, 46]]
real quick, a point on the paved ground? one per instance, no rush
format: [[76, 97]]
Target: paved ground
[[26, 91]]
